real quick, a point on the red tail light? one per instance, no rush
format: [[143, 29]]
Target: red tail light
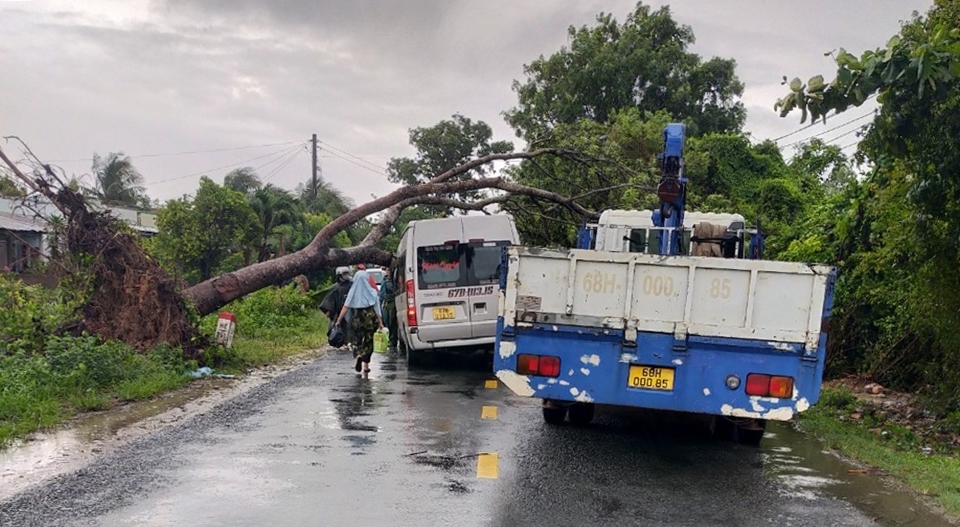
[[758, 384], [411, 305], [550, 366], [762, 385], [543, 365]]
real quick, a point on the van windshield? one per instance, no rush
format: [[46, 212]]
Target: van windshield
[[438, 266]]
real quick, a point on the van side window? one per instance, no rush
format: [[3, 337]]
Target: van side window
[[438, 266]]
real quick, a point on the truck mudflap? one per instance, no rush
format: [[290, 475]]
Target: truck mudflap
[[705, 375]]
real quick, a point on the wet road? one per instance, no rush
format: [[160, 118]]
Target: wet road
[[323, 446]]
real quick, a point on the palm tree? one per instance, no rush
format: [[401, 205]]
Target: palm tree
[[330, 200], [117, 181], [275, 208], [244, 180]]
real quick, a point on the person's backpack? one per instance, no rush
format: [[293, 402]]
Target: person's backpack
[[336, 337]]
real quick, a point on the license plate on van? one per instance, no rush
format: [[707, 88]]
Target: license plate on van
[[444, 313]]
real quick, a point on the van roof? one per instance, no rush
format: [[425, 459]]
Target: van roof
[[463, 228]]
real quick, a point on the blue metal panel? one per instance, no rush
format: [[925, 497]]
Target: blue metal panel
[[595, 368]]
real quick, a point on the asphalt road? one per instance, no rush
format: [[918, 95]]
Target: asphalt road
[[324, 446]]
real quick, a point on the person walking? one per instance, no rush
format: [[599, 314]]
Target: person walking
[[332, 304], [388, 293], [366, 318]]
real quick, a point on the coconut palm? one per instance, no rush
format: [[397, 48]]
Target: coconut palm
[[117, 181], [275, 208], [244, 180]]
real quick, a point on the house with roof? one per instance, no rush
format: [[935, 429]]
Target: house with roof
[[25, 233]]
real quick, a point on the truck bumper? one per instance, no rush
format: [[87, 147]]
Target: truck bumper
[[595, 367]]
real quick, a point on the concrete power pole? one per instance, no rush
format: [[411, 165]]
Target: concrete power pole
[[313, 168]]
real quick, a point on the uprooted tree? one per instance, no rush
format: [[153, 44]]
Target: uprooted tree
[[132, 299]]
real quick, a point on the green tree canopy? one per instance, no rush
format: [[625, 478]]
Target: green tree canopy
[[443, 146], [244, 180], [643, 63], [196, 234]]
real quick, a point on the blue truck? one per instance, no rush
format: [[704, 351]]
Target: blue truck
[[665, 310]]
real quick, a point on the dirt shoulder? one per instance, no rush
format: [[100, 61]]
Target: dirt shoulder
[[79, 440], [897, 418]]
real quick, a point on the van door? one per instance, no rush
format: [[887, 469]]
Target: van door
[[442, 302], [483, 277]]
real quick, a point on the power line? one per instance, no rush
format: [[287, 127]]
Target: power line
[[282, 153], [378, 167], [189, 152], [283, 165], [378, 171], [811, 125], [827, 131]]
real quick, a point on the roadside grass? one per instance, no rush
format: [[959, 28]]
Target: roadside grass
[[45, 379], [934, 475]]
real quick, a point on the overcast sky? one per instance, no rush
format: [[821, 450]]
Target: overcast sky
[[150, 77]]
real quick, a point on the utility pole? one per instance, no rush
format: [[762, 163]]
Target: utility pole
[[313, 168]]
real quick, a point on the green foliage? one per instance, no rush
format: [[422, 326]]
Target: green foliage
[[443, 146], [39, 387], [643, 63], [243, 180], [10, 188], [278, 213], [118, 182], [197, 234], [28, 314], [896, 233], [624, 175], [266, 313], [271, 322]]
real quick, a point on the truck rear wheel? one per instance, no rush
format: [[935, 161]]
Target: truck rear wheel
[[752, 432], [581, 414], [554, 413]]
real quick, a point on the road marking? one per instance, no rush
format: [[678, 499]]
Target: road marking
[[488, 465], [489, 412], [490, 384]]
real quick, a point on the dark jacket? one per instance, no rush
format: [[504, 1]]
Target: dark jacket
[[333, 302]]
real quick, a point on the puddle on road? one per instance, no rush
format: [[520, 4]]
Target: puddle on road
[[805, 471]]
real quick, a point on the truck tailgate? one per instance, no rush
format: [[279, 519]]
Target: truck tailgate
[[778, 302]]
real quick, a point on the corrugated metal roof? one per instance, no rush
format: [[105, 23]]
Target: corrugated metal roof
[[20, 223]]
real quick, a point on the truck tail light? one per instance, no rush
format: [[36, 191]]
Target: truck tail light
[[758, 384], [411, 305], [781, 387], [542, 365], [762, 385]]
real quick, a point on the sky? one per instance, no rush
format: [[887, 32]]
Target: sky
[[194, 87]]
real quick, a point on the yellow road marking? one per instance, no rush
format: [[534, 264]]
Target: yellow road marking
[[488, 464], [488, 412], [490, 384]]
